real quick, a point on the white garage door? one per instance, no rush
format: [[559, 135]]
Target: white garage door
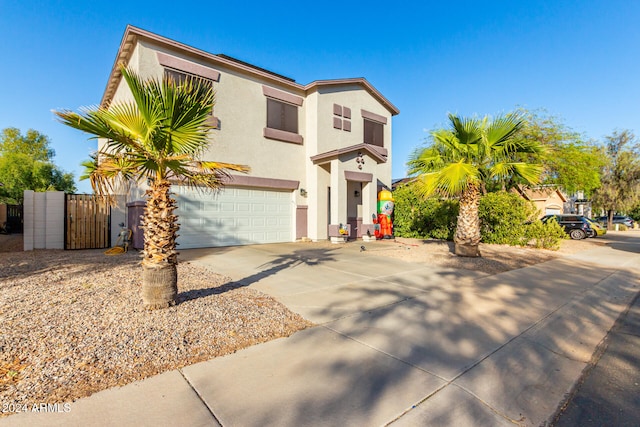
[[552, 210], [234, 216]]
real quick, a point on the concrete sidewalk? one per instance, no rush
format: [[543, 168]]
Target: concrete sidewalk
[[608, 393], [397, 343]]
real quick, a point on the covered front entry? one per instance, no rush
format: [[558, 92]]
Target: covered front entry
[[348, 181], [233, 216]]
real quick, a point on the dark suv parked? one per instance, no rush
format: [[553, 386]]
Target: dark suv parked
[[576, 226], [617, 219]]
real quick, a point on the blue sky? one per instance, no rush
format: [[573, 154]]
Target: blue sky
[[577, 59]]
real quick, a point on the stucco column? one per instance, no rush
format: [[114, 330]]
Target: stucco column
[[28, 220], [338, 199], [369, 201]]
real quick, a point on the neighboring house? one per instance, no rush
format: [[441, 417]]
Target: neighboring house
[[547, 200], [578, 204], [398, 182], [319, 153]]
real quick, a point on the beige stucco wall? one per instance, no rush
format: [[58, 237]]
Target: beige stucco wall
[[241, 108], [357, 99], [317, 196], [322, 137], [122, 92]]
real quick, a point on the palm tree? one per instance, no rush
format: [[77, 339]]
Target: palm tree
[[466, 158], [156, 140]]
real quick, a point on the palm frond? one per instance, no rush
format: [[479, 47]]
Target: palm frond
[[424, 160], [476, 150], [467, 130], [159, 135], [145, 94], [502, 129], [455, 177]]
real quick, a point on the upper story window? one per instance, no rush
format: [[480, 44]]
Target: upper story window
[[282, 115], [181, 70], [180, 77], [373, 133], [373, 128]]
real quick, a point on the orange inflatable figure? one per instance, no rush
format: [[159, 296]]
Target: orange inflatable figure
[[377, 232], [385, 210]]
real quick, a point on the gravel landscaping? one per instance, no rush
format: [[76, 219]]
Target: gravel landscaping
[[73, 322], [495, 258]]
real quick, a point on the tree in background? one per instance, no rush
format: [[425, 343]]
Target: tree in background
[[465, 159], [34, 144], [570, 161], [620, 176], [157, 139], [634, 212], [26, 163]]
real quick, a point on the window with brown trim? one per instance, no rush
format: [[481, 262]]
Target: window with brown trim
[[341, 117], [373, 133], [180, 77], [282, 116]]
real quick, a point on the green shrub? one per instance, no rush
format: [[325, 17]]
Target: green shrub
[[504, 217], [635, 213], [422, 218], [545, 235]]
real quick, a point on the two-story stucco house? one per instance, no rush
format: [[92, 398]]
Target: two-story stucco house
[[319, 153]]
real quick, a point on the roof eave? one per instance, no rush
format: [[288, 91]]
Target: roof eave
[[132, 33], [329, 155], [358, 81]]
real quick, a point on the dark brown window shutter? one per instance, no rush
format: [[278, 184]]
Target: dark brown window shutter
[[282, 116]]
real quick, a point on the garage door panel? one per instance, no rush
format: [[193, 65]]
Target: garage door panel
[[271, 208], [273, 235], [258, 222], [284, 221], [234, 216], [190, 204], [211, 207], [243, 235], [271, 222]]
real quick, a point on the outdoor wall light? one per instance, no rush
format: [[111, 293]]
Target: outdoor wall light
[[356, 193], [303, 192]]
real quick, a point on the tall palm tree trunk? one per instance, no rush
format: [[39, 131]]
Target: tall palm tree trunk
[[467, 237], [159, 264]]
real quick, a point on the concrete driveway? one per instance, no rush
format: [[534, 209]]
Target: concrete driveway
[[325, 282]]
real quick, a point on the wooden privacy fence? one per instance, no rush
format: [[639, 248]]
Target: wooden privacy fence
[[87, 222]]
